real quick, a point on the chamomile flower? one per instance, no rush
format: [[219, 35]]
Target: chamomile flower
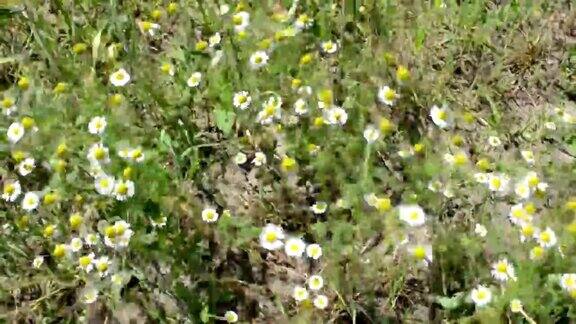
[[120, 78], [242, 100], [494, 141], [498, 182], [8, 105], [412, 215], [481, 177], [522, 190], [303, 22], [294, 247], [85, 262], [528, 156], [240, 158], [12, 190], [319, 207], [168, 69], [537, 253], [271, 237], [527, 231], [271, 109], [30, 201], [104, 184], [481, 296], [102, 265], [259, 159], [89, 295], [371, 134], [209, 215], [300, 293], [315, 282], [550, 125], [320, 301], [194, 80], [91, 239], [123, 189], [515, 306], [546, 238], [329, 47], [118, 235], [98, 154], [336, 116], [518, 215], [76, 244], [15, 132], [503, 270], [214, 40], [38, 262], [422, 253], [387, 95], [231, 316], [441, 116], [147, 27], [301, 107], [568, 281], [258, 60], [26, 166], [314, 251], [135, 155], [241, 20], [480, 230], [97, 125]]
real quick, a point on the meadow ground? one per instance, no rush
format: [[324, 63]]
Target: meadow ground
[[292, 161]]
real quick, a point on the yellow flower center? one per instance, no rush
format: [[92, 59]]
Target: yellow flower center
[[85, 261], [528, 230], [419, 253], [146, 26], [119, 76], [102, 266], [59, 251], [110, 232], [9, 189], [390, 94], [99, 153], [502, 268], [545, 237], [237, 20], [442, 115], [242, 99], [481, 295], [496, 183], [7, 103], [122, 189], [270, 237], [104, 183], [414, 215]]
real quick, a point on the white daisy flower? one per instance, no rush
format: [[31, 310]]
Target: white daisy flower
[[224, 9], [503, 270], [241, 20], [481, 296], [528, 156], [271, 237], [412, 215], [231, 316], [300, 107], [303, 22], [329, 47], [8, 105], [26, 166], [422, 253], [315, 282], [76, 244], [271, 109], [38, 262], [481, 177], [294, 247], [387, 95], [258, 60], [259, 159], [518, 215], [494, 141], [15, 132], [242, 100], [371, 134], [148, 27], [498, 182], [568, 281], [123, 189], [118, 235], [336, 116], [240, 158], [214, 40], [516, 306], [441, 116], [320, 301], [210, 215], [30, 201], [135, 155], [90, 295], [314, 251], [102, 265], [546, 238], [12, 190], [97, 125], [120, 78], [104, 184], [194, 80], [480, 230], [98, 154], [86, 262], [300, 293], [91, 239], [527, 231], [522, 190], [319, 207]]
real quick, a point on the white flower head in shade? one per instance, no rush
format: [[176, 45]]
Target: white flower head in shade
[[271, 237], [412, 215], [120, 78]]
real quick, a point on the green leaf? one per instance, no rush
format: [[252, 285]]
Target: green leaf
[[450, 302], [204, 315], [224, 119], [96, 46]]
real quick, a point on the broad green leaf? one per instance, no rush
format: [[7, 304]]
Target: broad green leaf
[[224, 119]]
